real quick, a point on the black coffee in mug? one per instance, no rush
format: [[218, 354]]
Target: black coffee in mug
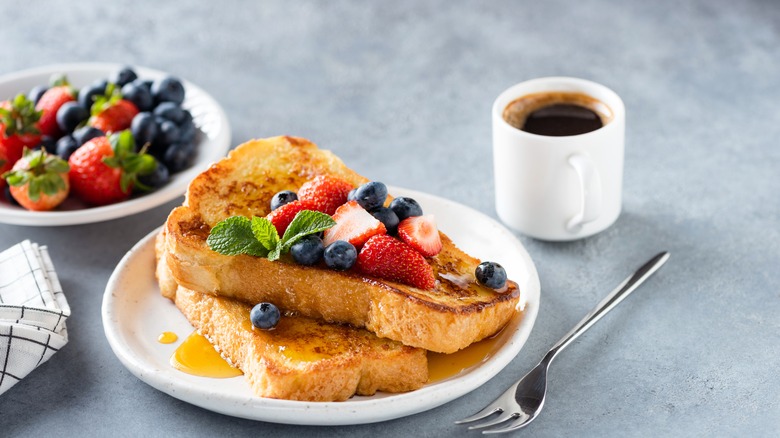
[[557, 113]]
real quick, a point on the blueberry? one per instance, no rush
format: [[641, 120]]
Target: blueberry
[[351, 195], [167, 132], [187, 116], [178, 156], [307, 251], [140, 95], [168, 89], [66, 146], [124, 76], [86, 133], [187, 128], [371, 195], [87, 94], [265, 316], [70, 115], [146, 83], [283, 197], [387, 217], [144, 128], [340, 255], [35, 94], [491, 274], [170, 111], [49, 144], [156, 179], [405, 207], [8, 197]]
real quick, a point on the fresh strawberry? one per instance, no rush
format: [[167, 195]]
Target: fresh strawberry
[[282, 216], [353, 224], [18, 119], [111, 112], [420, 233], [104, 170], [114, 118], [39, 181], [388, 258], [5, 164], [50, 103], [327, 192]]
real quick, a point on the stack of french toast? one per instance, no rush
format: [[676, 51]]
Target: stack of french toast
[[342, 332]]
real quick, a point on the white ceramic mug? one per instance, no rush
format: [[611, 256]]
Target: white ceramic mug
[[559, 188]]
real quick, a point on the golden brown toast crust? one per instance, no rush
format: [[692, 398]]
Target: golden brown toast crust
[[304, 359], [301, 359], [456, 313]]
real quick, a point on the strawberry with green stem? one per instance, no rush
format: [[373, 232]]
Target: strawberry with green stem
[[105, 169], [326, 192], [110, 112], [59, 94], [39, 180], [18, 119], [388, 258]]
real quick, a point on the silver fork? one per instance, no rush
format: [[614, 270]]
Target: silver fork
[[523, 401]]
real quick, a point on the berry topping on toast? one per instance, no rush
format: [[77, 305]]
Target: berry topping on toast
[[282, 216], [326, 192], [421, 233], [371, 195], [353, 224], [491, 274], [405, 207], [388, 258], [283, 197]]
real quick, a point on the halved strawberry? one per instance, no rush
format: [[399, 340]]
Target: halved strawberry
[[327, 192], [282, 216], [353, 224], [388, 258], [421, 233]]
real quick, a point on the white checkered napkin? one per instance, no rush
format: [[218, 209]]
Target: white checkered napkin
[[22, 349], [30, 291], [33, 311]]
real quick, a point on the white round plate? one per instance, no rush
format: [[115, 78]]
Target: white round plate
[[209, 117], [134, 315]]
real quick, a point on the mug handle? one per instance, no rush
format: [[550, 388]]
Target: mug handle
[[590, 192]]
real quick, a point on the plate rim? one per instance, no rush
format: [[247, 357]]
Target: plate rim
[[404, 404], [219, 147]]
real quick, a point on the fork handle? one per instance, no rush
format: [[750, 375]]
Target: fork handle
[[608, 303]]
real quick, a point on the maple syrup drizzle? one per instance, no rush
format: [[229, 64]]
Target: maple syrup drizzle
[[443, 366], [167, 338], [198, 357]]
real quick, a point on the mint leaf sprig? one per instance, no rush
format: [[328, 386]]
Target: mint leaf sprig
[[258, 236]]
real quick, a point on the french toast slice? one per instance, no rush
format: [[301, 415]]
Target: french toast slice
[[302, 358], [451, 316]]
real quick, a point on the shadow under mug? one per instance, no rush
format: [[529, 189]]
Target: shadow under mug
[[559, 188]]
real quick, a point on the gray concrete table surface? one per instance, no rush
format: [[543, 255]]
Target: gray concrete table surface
[[402, 92]]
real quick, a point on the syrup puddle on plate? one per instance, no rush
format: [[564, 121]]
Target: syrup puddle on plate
[[198, 357], [167, 338], [443, 366]]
